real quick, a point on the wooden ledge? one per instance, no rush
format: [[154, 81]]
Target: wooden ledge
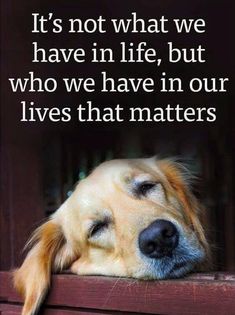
[[206, 293]]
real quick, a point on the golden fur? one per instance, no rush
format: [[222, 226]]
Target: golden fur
[[96, 230]]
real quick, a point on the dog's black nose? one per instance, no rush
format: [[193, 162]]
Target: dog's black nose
[[158, 239]]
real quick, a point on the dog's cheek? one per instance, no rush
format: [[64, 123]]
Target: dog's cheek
[[105, 241]]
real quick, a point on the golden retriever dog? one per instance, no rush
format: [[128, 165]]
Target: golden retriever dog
[[129, 218]]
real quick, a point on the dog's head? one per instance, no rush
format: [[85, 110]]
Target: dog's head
[[128, 218]]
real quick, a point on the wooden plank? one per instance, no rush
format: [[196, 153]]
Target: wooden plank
[[10, 309], [227, 276], [184, 296]]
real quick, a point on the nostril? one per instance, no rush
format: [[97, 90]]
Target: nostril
[[150, 247]]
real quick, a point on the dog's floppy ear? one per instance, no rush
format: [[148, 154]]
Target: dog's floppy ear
[[179, 178], [49, 252]]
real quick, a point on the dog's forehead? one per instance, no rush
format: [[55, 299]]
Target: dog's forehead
[[122, 166], [105, 182], [110, 172], [113, 174], [112, 168]]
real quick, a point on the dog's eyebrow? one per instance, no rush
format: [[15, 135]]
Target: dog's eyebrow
[[131, 177], [142, 179]]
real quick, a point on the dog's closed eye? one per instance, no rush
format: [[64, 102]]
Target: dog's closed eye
[[145, 187], [98, 227], [142, 189]]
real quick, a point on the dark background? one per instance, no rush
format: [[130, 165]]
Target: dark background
[[40, 162]]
